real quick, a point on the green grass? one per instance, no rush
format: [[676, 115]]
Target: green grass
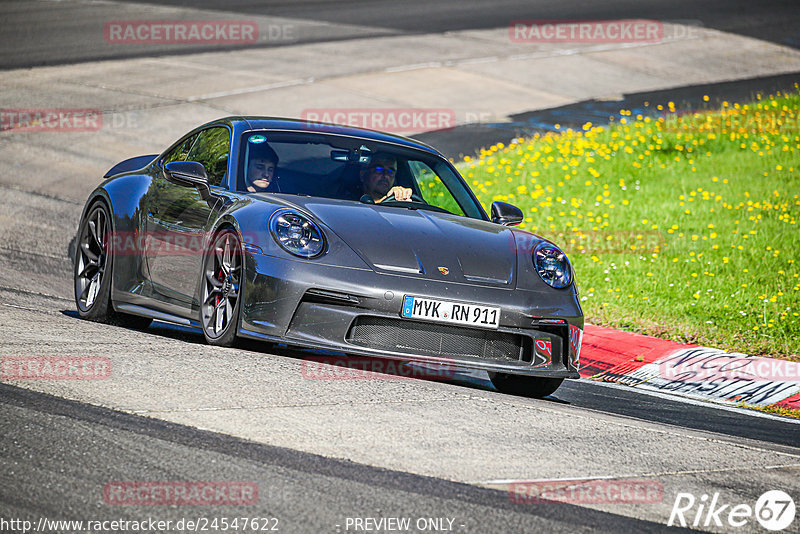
[[682, 226]]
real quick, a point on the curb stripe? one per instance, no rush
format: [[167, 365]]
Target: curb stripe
[[638, 360]]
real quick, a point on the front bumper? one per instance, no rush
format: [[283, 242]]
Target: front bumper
[[358, 311]]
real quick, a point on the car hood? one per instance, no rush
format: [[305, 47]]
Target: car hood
[[421, 243]]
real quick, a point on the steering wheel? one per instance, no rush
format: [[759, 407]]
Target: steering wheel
[[414, 198]]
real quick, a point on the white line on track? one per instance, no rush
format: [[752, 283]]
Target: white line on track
[[246, 90], [634, 475]]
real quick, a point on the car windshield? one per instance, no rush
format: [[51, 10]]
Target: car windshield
[[347, 168]]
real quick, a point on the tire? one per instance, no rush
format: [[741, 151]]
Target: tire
[[525, 385], [92, 272], [221, 289]]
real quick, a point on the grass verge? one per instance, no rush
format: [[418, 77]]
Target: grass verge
[[679, 225], [775, 410]]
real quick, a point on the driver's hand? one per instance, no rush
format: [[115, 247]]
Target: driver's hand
[[402, 194]]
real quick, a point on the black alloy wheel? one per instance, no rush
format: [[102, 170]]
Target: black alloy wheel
[[221, 289], [93, 263]]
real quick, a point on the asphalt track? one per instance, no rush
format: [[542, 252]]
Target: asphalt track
[[59, 449], [41, 32], [46, 438], [60, 445]]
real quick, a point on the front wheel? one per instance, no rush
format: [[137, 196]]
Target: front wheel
[[221, 289], [526, 386]]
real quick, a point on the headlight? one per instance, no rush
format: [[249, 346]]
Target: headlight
[[552, 265], [296, 234]]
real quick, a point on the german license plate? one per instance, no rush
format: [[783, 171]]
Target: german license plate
[[450, 312]]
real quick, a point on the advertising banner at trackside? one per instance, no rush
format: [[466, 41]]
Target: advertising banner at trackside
[[723, 376]]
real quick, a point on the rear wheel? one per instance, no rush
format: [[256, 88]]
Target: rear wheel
[[92, 275], [527, 386], [222, 276]]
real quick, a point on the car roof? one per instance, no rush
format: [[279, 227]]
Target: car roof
[[299, 125]]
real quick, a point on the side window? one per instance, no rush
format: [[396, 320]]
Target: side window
[[432, 189], [211, 149], [179, 152]]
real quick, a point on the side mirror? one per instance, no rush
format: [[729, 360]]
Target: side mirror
[[506, 214], [189, 174]]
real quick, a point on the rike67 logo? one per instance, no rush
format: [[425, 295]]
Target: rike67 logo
[[774, 510]]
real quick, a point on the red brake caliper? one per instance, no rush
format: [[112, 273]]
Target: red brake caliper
[[220, 277]]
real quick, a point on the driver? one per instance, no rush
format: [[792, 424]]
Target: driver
[[261, 166], [377, 179]]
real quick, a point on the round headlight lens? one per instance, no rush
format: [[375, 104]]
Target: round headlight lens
[[552, 265], [296, 234]]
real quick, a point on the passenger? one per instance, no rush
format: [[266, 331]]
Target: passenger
[[377, 180], [261, 175]]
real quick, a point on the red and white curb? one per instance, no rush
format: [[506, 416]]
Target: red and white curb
[[646, 362]]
